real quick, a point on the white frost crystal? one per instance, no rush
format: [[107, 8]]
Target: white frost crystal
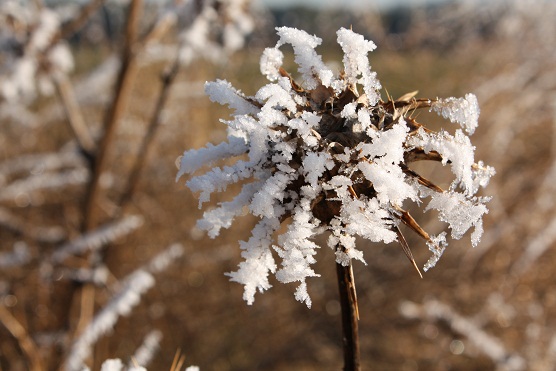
[[327, 154], [463, 111]]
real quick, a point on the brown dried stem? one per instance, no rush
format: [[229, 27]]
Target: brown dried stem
[[75, 117], [77, 23], [350, 316], [20, 334], [167, 78], [115, 112]]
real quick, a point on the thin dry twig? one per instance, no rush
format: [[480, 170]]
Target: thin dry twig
[[179, 360], [168, 78], [20, 334], [115, 112], [78, 22], [74, 116]]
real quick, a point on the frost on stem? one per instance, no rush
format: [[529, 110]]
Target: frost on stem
[[329, 154], [28, 51], [211, 29], [126, 298]]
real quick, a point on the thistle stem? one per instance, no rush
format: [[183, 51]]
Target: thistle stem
[[350, 317]]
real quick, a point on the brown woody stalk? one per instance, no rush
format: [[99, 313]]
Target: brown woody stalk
[[115, 112], [25, 341], [167, 78], [75, 118], [350, 317]]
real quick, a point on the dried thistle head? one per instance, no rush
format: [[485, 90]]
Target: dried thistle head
[[328, 153]]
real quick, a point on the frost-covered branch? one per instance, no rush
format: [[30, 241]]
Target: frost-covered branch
[[144, 354], [122, 303], [40, 163], [30, 58], [46, 181], [18, 257], [433, 310], [98, 238]]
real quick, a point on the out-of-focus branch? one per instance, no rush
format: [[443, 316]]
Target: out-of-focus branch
[[115, 112], [74, 115], [20, 334], [41, 234], [168, 77], [77, 22], [126, 76], [492, 347]]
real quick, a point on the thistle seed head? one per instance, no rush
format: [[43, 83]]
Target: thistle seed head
[[327, 153]]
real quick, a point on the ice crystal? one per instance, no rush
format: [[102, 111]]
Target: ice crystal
[[328, 154], [464, 111]]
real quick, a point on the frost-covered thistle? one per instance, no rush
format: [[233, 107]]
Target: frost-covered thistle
[[329, 154]]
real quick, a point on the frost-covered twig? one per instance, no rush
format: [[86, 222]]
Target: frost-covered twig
[[212, 29], [32, 55], [39, 163], [98, 238], [135, 285], [18, 257], [535, 248], [127, 297], [44, 181], [144, 354], [491, 346], [161, 261]]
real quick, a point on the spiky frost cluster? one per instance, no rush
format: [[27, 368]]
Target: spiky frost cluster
[[28, 58], [330, 155]]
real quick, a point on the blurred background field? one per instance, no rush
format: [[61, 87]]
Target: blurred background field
[[492, 307]]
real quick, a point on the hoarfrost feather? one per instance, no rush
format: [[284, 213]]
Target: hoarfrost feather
[[253, 271], [223, 92], [271, 61], [223, 216], [459, 212], [309, 62], [356, 63], [193, 160], [464, 111]]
